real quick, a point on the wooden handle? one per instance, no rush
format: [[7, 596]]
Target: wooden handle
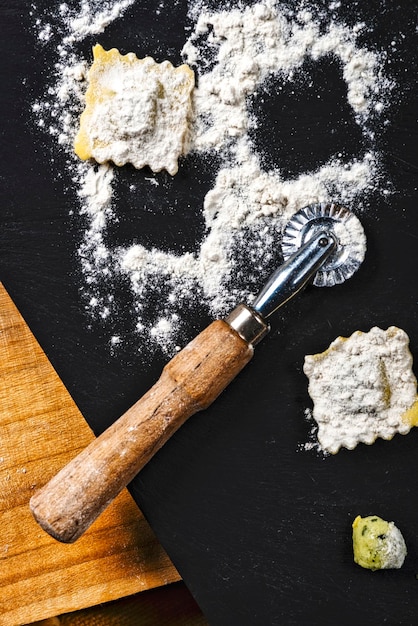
[[67, 505]]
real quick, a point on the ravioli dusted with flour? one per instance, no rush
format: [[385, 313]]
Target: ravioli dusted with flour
[[363, 388], [377, 544], [137, 111]]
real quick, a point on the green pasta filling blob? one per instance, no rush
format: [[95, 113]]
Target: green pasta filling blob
[[377, 544]]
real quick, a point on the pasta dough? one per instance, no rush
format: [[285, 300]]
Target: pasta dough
[[363, 387], [136, 111], [377, 544]]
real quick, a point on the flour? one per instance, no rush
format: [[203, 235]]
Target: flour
[[362, 388], [233, 52], [96, 198], [260, 41], [91, 18]]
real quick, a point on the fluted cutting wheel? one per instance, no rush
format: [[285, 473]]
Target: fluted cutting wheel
[[345, 227]]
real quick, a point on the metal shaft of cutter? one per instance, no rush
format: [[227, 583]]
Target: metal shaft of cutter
[[294, 274]]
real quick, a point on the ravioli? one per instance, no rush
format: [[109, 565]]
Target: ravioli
[[377, 544], [136, 111]]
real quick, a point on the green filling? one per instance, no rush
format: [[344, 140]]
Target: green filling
[[369, 542]]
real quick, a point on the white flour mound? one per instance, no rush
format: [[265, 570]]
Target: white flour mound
[[362, 388], [233, 52]]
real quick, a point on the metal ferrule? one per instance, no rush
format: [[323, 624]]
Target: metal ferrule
[[295, 273], [249, 325], [250, 322]]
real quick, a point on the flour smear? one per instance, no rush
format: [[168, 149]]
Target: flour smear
[[234, 53]]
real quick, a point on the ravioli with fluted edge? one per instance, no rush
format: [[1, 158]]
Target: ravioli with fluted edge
[[136, 111], [363, 387]]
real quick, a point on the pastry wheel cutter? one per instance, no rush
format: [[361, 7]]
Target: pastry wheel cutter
[[323, 244]]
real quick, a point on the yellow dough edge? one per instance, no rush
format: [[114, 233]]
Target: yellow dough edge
[[411, 415], [82, 146]]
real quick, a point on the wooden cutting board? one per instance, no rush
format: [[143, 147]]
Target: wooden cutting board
[[40, 430]]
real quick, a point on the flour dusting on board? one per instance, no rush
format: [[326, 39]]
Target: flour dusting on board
[[234, 52]]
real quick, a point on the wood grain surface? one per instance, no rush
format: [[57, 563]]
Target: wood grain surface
[[171, 605], [40, 430]]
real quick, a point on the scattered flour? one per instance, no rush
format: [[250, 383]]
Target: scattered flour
[[260, 41], [233, 52], [90, 18], [362, 388]]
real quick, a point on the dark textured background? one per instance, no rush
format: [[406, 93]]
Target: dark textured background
[[260, 532]]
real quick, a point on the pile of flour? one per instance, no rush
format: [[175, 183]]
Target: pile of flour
[[233, 52]]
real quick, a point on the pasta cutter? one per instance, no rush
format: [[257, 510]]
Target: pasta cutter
[[322, 243]]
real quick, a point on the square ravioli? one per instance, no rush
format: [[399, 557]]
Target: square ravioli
[[363, 387], [137, 111]]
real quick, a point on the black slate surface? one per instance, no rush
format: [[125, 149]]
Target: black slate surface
[[260, 532]]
